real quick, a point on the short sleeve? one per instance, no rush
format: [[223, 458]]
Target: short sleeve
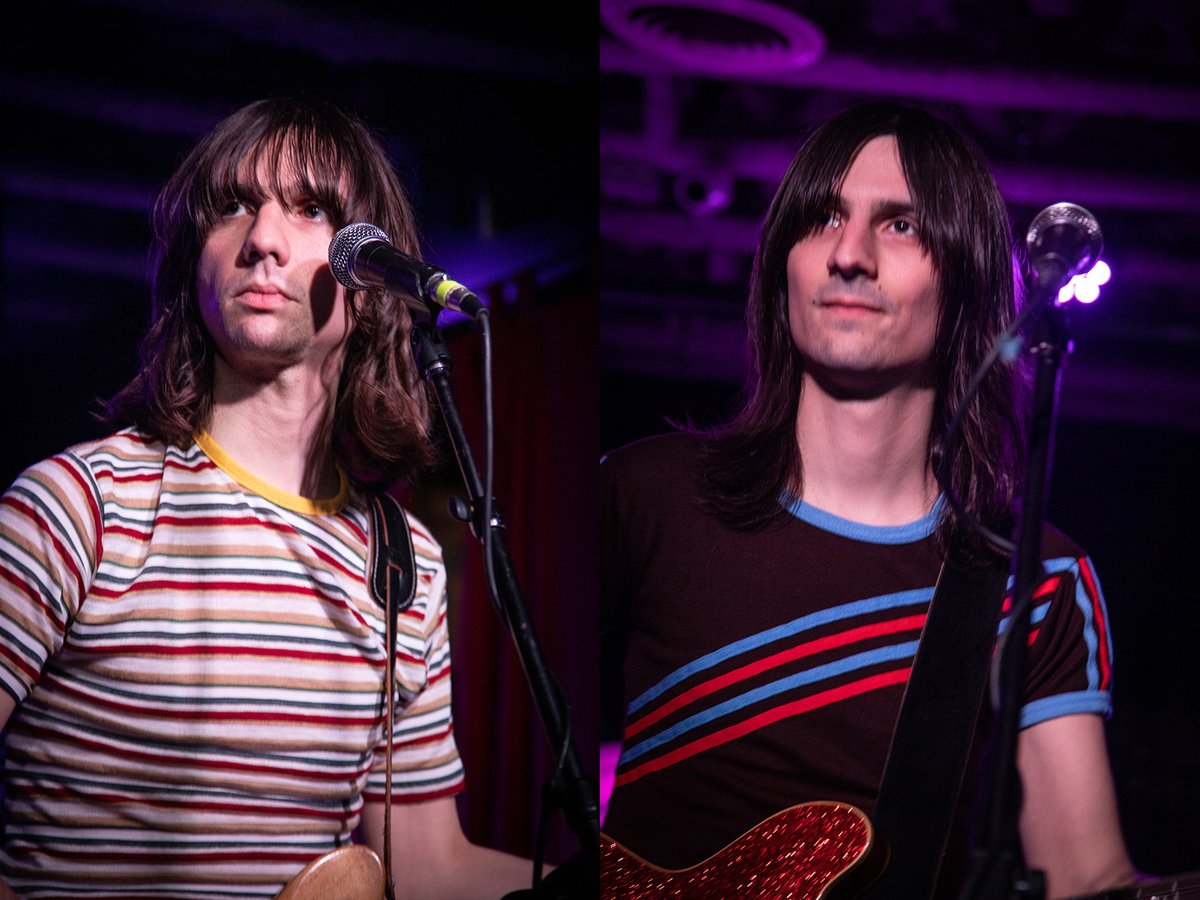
[[425, 759], [51, 527], [1070, 649]]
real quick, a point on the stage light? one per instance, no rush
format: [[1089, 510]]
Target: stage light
[[1086, 288], [1087, 291]]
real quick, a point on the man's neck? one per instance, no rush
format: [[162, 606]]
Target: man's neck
[[278, 429], [867, 458]]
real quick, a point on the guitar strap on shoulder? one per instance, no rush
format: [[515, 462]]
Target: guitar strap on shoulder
[[392, 577], [392, 564], [932, 742]]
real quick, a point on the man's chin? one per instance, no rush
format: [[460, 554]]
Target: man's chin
[[261, 362], [863, 379]]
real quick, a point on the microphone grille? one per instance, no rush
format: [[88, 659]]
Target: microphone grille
[[343, 250], [1076, 220]]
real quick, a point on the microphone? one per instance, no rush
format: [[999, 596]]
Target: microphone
[[1064, 240], [362, 257]]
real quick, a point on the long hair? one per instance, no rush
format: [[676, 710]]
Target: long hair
[[748, 463], [380, 424]]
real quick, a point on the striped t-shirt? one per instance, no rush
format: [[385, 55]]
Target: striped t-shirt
[[766, 669], [199, 668]]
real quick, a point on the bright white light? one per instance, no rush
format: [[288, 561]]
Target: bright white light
[[1086, 288]]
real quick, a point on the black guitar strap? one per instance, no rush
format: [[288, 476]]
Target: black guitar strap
[[932, 742], [392, 565], [392, 577]]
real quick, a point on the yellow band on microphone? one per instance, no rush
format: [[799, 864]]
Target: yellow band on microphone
[[444, 289]]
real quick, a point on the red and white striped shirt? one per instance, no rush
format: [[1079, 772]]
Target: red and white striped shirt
[[199, 668]]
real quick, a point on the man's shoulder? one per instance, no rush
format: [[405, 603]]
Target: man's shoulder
[[1057, 544], [119, 451], [660, 455], [127, 444], [655, 478]]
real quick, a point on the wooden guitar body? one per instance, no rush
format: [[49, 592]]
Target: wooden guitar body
[[813, 851], [347, 873]]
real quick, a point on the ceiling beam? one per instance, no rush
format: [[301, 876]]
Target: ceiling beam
[[767, 161], [994, 88]]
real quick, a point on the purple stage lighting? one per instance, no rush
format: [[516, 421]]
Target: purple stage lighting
[[732, 37], [1086, 287]]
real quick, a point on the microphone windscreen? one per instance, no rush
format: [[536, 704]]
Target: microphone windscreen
[[343, 250], [1067, 231]]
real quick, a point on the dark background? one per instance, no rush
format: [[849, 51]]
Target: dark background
[[489, 114], [702, 108]]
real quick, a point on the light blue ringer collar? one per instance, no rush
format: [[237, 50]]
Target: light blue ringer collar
[[872, 534]]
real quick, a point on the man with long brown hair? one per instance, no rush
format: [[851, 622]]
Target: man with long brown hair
[[193, 666], [772, 577]]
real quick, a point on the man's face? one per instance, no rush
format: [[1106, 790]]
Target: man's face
[[862, 292], [264, 286]]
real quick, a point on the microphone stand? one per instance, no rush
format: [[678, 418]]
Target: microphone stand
[[570, 789], [997, 869]]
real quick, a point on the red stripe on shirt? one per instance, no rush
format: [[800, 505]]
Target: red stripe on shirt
[[64, 554], [30, 672], [187, 803], [89, 494], [139, 477], [1049, 586], [205, 651], [1089, 582], [177, 711], [829, 642], [33, 595], [199, 763], [763, 719], [416, 797]]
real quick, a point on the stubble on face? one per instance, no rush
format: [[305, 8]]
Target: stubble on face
[[273, 333]]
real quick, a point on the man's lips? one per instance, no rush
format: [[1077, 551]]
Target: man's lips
[[263, 295], [849, 304]]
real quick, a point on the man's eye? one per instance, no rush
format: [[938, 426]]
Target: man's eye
[[233, 207], [831, 219], [904, 226], [314, 211]]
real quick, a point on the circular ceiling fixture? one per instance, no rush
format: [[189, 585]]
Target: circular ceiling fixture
[[717, 36]]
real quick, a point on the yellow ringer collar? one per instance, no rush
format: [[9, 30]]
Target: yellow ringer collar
[[294, 502]]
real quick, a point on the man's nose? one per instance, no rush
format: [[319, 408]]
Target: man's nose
[[854, 252], [267, 235]]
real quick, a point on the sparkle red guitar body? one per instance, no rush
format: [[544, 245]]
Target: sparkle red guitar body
[[813, 851]]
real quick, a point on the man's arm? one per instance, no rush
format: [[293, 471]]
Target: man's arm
[[1069, 824], [7, 705], [433, 858]]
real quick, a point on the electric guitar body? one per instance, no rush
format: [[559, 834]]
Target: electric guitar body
[[813, 851]]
